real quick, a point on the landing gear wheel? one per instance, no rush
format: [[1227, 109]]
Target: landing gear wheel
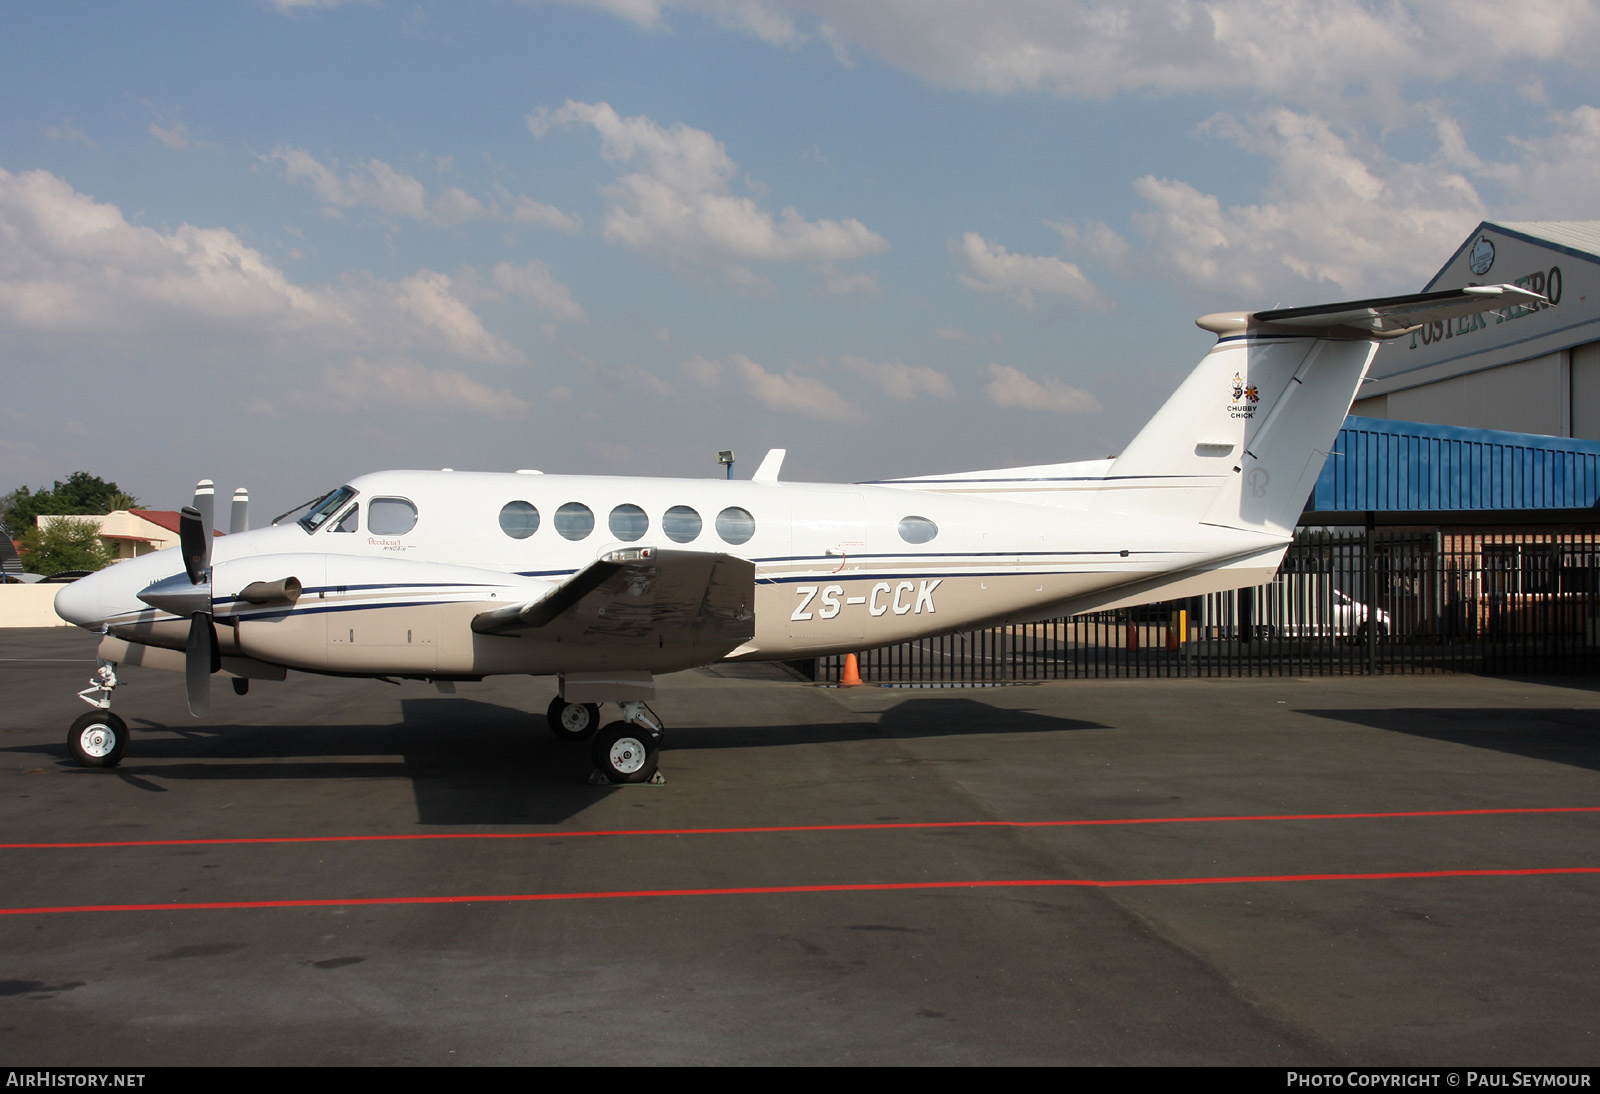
[[626, 753], [572, 721], [98, 739]]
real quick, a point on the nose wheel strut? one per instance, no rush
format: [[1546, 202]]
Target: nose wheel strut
[[99, 738]]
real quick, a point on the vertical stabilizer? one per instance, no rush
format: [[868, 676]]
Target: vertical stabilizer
[[1241, 442]]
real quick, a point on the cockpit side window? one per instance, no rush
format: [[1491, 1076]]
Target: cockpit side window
[[350, 522], [323, 508]]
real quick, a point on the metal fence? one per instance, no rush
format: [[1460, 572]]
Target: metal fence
[[1344, 602]]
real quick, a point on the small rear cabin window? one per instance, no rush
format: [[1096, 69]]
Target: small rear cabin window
[[519, 519], [917, 529], [391, 516], [574, 520]]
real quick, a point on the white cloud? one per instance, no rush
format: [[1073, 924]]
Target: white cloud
[[901, 381], [682, 202], [1011, 387], [289, 7], [407, 383], [175, 138], [1553, 176], [534, 284], [426, 311], [764, 19], [67, 133], [749, 283], [861, 284], [74, 272], [1336, 213], [377, 185], [991, 268], [1093, 236], [952, 334], [456, 205], [373, 184], [524, 210], [788, 393], [634, 378], [1299, 50]]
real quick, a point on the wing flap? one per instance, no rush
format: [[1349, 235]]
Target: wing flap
[[640, 596]]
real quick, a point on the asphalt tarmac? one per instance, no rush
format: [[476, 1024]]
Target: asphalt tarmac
[[1390, 870]]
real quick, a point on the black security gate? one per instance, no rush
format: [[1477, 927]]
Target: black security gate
[[1345, 601]]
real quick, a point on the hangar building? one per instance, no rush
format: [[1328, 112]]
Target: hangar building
[[1527, 369]]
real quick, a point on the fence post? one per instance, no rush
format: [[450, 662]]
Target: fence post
[[1370, 596]]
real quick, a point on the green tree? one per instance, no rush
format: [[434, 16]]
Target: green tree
[[63, 544], [82, 494]]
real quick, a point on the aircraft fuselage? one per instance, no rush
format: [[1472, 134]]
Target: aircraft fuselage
[[835, 568]]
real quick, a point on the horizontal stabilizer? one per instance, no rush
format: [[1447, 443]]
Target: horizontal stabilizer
[[640, 596], [1382, 317]]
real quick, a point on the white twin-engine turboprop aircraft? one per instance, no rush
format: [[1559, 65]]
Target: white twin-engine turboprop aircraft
[[606, 582]]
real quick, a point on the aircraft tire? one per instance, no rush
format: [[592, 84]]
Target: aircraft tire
[[98, 739], [572, 721], [626, 753]]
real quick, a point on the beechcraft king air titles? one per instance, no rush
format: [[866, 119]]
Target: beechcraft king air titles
[[605, 583]]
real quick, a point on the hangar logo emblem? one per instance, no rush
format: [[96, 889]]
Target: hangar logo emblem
[[1482, 256]]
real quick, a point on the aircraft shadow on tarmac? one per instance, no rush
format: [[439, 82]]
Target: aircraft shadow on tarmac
[[1560, 736], [473, 762]]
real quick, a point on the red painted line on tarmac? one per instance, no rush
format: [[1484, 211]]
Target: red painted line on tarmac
[[757, 830], [769, 890]]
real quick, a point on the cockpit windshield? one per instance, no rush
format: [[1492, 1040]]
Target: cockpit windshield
[[318, 510]]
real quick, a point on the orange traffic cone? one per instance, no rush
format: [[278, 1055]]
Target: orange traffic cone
[[851, 676], [1133, 635]]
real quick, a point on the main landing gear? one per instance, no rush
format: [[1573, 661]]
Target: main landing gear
[[99, 738], [623, 752]]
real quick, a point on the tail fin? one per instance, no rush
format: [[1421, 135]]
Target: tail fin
[[1241, 442]]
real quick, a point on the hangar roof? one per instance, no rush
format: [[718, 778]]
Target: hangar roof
[[1576, 235]]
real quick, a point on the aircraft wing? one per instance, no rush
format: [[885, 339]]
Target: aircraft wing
[[640, 596]]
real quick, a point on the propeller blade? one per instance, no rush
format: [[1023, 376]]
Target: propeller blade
[[194, 540], [205, 502], [239, 515], [202, 656]]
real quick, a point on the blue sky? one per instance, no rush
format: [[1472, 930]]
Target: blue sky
[[280, 244]]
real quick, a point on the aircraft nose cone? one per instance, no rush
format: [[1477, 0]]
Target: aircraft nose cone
[[80, 602]]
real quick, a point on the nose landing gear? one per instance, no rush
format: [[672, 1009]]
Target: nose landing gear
[[99, 738]]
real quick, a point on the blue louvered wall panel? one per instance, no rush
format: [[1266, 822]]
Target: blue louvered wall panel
[[1389, 466]]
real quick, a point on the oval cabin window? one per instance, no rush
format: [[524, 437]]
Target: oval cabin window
[[628, 523], [681, 523], [735, 525], [519, 519], [574, 520]]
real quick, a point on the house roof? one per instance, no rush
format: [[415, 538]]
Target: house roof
[[164, 518], [170, 519]]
